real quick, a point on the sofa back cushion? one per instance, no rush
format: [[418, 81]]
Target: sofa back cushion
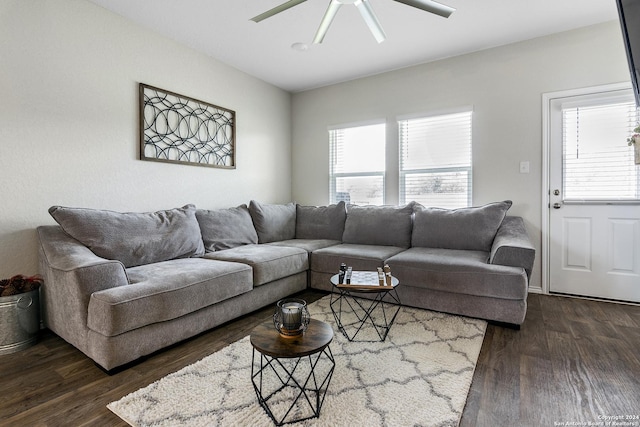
[[466, 228], [226, 228], [378, 225], [320, 222], [273, 223], [134, 238]]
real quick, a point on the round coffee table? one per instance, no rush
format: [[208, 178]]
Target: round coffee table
[[297, 368], [378, 310]]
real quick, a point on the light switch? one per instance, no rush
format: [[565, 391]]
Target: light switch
[[524, 167]]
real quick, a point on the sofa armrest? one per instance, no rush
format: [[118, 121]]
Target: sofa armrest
[[512, 245], [71, 273]]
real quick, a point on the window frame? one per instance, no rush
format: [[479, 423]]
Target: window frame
[[403, 173], [587, 100], [334, 176]]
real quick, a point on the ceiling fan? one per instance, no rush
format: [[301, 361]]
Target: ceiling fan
[[365, 9]]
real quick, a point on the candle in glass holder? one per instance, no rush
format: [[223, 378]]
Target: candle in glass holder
[[292, 315]]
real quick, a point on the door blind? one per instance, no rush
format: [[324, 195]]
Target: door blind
[[435, 160], [598, 164]]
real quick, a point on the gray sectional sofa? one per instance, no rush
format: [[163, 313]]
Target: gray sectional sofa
[[119, 286]]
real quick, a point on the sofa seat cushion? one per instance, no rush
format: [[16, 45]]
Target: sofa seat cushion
[[308, 245], [360, 257], [165, 291], [458, 271], [269, 262]]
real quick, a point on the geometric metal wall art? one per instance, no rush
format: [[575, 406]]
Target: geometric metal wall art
[[178, 129]]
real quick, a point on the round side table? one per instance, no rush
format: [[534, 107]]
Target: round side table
[[379, 309], [297, 368]]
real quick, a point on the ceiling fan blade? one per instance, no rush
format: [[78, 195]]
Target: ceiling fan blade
[[430, 6], [284, 6], [327, 19], [371, 19]]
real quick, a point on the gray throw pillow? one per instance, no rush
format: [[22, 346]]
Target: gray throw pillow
[[273, 223], [226, 228], [466, 228], [378, 225], [134, 238], [320, 222]]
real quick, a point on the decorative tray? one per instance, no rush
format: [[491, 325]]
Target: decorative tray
[[365, 280]]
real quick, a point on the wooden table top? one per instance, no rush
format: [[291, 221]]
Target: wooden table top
[[267, 340]]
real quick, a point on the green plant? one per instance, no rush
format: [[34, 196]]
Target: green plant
[[635, 138]]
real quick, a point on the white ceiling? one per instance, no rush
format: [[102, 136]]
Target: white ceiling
[[223, 30]]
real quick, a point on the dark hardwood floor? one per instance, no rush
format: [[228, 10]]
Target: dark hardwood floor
[[573, 362]]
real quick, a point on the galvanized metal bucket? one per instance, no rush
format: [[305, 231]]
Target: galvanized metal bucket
[[19, 321]]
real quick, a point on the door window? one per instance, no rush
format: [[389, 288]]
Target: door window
[[598, 164]]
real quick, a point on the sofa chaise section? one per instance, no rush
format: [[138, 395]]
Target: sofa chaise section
[[123, 285], [88, 298], [164, 291], [471, 261], [461, 282], [115, 351]]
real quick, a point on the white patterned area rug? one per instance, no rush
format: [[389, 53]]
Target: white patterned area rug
[[419, 376]]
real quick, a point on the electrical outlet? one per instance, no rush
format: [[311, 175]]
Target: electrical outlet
[[524, 167]]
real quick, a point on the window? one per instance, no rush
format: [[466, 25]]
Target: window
[[598, 164], [357, 164], [435, 160]]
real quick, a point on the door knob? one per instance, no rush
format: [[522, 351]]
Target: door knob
[[556, 206]]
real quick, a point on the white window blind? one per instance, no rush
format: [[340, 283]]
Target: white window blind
[[435, 160], [597, 162], [357, 164]]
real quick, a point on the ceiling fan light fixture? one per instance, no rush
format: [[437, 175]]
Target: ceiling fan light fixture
[[327, 19], [430, 6], [365, 9], [371, 19], [281, 8]]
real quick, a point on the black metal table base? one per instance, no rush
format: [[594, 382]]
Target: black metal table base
[[303, 380], [379, 312]]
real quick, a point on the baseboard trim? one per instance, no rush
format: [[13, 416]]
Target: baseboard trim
[[535, 290]]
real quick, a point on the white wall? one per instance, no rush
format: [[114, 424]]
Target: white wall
[[504, 85], [69, 74]]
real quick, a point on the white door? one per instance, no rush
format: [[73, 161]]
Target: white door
[[594, 196]]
